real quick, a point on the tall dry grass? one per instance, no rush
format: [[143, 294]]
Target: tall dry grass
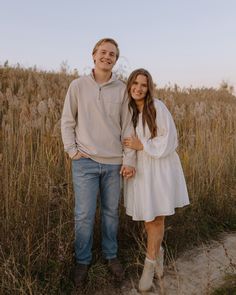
[[36, 212]]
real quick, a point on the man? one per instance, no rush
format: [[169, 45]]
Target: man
[[94, 121]]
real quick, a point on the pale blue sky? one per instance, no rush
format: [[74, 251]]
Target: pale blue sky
[[188, 42]]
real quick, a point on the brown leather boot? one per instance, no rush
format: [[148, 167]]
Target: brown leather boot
[[80, 274], [116, 268]]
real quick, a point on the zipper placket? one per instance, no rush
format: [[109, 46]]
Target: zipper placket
[[100, 89], [99, 95]]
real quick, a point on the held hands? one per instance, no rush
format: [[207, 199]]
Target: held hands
[[127, 171], [133, 142], [79, 155]]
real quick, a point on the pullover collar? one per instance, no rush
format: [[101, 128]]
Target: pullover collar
[[112, 79]]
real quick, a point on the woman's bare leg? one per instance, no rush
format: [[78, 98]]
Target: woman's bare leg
[[155, 234]]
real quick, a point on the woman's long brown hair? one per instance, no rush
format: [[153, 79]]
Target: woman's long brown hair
[[149, 111]]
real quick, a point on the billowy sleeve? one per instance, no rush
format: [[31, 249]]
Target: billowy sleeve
[[166, 140]]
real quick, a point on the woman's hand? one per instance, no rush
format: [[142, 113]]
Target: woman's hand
[[133, 142]]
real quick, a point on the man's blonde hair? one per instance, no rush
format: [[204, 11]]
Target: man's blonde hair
[[107, 40]]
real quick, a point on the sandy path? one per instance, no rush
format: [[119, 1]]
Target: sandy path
[[197, 271]]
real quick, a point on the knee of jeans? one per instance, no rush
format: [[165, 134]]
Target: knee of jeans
[[111, 212], [111, 205], [84, 217]]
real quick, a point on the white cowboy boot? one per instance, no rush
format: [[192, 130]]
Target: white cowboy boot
[[145, 282], [159, 264]]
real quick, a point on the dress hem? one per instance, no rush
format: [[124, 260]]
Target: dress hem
[[156, 215]]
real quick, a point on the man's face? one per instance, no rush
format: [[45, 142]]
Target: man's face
[[105, 57]]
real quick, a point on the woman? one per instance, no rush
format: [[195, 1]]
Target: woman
[[159, 185]]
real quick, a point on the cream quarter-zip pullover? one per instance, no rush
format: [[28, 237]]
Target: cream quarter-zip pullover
[[95, 119]]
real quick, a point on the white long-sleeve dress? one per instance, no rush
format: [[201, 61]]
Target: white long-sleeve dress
[[159, 184]]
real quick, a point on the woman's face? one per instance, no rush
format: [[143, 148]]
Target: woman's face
[[139, 88]]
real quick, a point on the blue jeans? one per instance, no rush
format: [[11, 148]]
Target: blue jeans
[[89, 177]]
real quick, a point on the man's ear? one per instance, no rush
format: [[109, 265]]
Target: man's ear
[[94, 60]]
